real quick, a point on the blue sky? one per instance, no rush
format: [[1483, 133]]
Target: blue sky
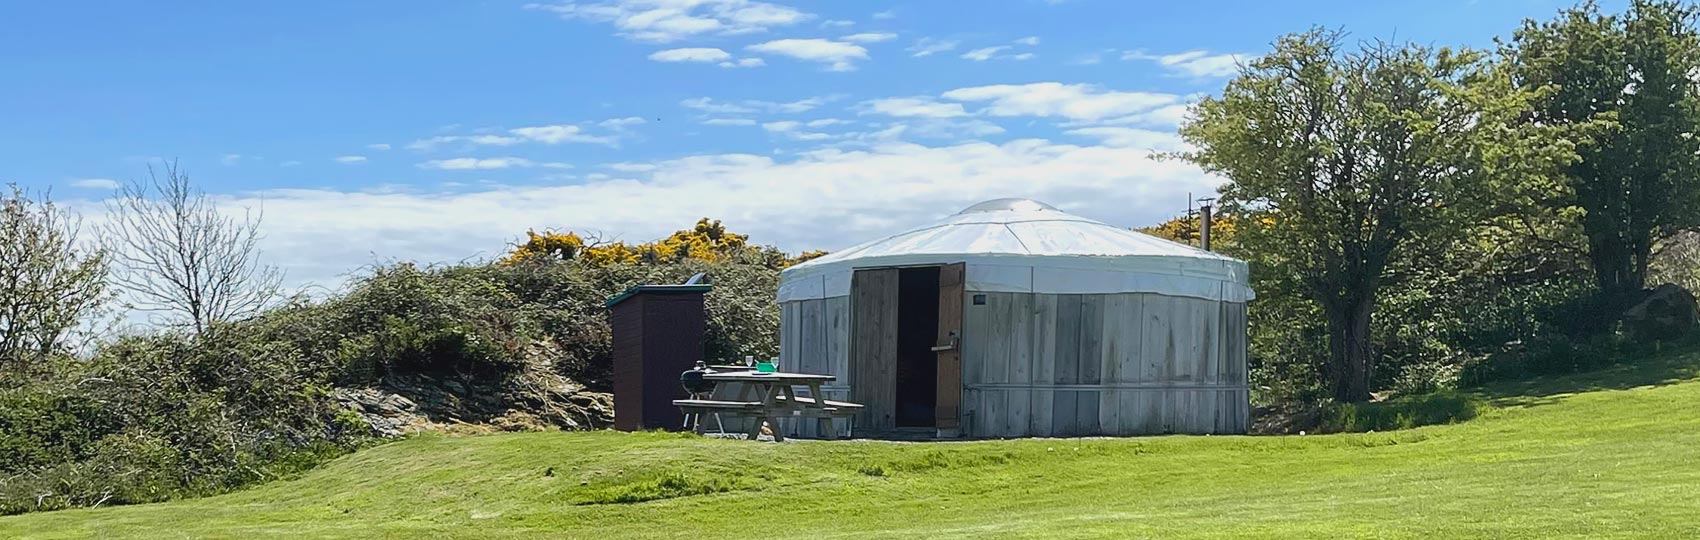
[[438, 130]]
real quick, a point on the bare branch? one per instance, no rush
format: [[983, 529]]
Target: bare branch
[[180, 254]]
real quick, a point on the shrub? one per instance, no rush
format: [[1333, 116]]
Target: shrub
[[39, 428], [1443, 407], [1560, 355], [151, 418]]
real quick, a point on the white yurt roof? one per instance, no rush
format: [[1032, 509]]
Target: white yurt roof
[[1021, 245]]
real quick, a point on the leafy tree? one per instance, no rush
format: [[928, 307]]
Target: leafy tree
[[1340, 163], [48, 284], [1626, 85]]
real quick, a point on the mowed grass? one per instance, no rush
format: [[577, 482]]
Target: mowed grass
[[1613, 454]]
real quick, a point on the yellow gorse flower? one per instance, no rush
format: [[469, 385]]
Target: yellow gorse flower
[[707, 241]]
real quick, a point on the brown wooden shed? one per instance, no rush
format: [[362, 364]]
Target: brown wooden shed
[[658, 333]]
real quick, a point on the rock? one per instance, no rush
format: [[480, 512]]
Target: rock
[[454, 386], [388, 414], [1668, 312], [406, 403]]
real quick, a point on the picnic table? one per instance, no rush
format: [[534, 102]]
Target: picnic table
[[766, 397]]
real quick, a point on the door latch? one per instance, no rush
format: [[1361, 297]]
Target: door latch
[[954, 342]]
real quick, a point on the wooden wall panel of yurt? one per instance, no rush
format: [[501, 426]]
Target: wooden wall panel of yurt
[[814, 337], [1112, 364], [873, 347]]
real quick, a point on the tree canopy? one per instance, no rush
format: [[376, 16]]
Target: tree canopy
[[1625, 85], [1342, 160]]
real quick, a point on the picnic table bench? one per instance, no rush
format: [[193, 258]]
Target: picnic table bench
[[766, 397]]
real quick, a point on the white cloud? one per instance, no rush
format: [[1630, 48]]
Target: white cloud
[[930, 46], [826, 199], [947, 129], [631, 167], [621, 123], [690, 54], [1123, 137], [827, 122], [552, 134], [788, 128], [984, 53], [744, 63], [1089, 59], [559, 134], [1167, 117], [887, 14], [837, 55], [707, 104], [869, 37], [729, 122], [914, 107], [460, 164], [836, 23], [1077, 102], [379, 146], [1197, 64], [665, 21], [351, 159], [290, 163], [793, 107], [95, 183], [230, 159], [988, 53], [487, 140], [749, 106]]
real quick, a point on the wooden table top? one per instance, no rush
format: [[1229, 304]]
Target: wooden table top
[[776, 377]]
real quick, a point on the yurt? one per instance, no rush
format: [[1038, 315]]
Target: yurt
[[1012, 318]]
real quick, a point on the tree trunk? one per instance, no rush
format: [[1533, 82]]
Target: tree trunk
[[1614, 266], [1641, 253], [1350, 354]]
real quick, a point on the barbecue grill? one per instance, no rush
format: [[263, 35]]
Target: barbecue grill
[[698, 388]]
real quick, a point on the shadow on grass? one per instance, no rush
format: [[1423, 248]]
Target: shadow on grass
[[655, 486], [1620, 369], [1653, 365]]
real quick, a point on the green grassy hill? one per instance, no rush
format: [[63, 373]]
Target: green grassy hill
[[1613, 454]]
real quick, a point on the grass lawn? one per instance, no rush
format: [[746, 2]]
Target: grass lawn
[[1612, 454]]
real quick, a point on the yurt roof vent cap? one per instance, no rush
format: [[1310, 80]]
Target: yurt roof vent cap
[[1008, 205]]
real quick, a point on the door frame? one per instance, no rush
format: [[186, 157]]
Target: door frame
[[953, 295], [873, 375]]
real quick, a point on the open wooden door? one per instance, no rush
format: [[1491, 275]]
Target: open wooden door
[[948, 412], [873, 347]]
